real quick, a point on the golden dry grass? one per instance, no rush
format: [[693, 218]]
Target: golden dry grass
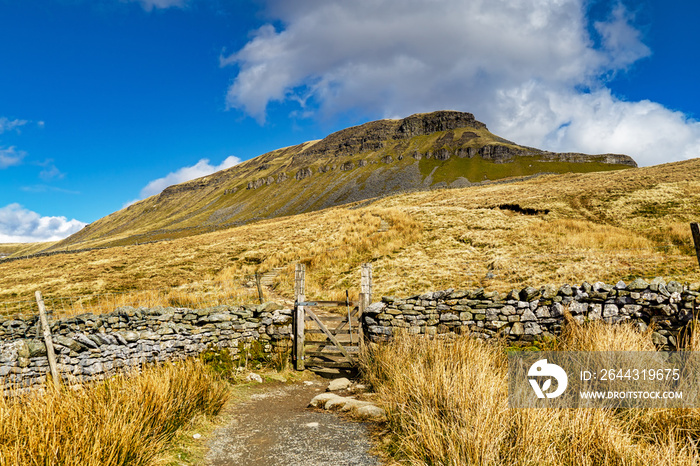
[[196, 295], [122, 421], [446, 403], [23, 249], [601, 226]]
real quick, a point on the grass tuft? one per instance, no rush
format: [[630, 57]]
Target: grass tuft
[[122, 421], [446, 403]]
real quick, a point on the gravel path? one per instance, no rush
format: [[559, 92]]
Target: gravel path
[[275, 428]]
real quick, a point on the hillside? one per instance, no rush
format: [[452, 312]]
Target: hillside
[[22, 249], [379, 158], [606, 226]]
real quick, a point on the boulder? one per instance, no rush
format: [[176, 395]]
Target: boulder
[[253, 377], [371, 412], [338, 384], [320, 400]]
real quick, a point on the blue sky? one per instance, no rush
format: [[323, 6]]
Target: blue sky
[[104, 102]]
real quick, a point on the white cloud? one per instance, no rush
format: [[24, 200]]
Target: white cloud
[[539, 65], [10, 156], [8, 125], [43, 188], [198, 170], [148, 5], [20, 225], [597, 122], [50, 171]]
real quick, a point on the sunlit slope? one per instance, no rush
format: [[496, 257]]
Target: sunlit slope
[[22, 249], [375, 159], [605, 226]]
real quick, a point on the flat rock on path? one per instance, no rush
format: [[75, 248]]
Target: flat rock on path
[[276, 428]]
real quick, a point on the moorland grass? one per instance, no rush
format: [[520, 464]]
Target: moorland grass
[[121, 421], [600, 227], [446, 403]]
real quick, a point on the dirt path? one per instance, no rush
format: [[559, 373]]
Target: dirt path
[[275, 428]]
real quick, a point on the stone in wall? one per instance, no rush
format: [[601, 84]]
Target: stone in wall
[[535, 313], [91, 347]]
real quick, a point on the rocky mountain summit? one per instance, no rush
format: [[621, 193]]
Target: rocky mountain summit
[[422, 151]]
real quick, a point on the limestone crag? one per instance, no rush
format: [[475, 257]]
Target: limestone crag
[[373, 136], [575, 157]]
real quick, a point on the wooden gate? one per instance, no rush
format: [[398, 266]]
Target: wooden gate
[[328, 340]]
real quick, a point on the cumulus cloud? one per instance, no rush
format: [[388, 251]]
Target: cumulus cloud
[[20, 225], [596, 122], [534, 69], [10, 156], [198, 170]]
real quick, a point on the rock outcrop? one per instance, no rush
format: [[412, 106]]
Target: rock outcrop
[[374, 136]]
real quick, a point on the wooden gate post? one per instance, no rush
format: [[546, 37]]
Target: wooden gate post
[[299, 317], [47, 339], [695, 230], [365, 296]]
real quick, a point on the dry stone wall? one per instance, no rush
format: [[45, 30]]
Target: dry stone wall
[[533, 313], [91, 347]]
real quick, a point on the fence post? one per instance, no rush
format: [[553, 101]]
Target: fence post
[[47, 339], [299, 297], [365, 296], [695, 230], [257, 282]]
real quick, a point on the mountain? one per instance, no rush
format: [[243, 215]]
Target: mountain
[[422, 151]]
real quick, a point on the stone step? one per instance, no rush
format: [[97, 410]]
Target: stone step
[[268, 278]]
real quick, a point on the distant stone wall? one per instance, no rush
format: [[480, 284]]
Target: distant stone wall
[[91, 347], [533, 313]]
